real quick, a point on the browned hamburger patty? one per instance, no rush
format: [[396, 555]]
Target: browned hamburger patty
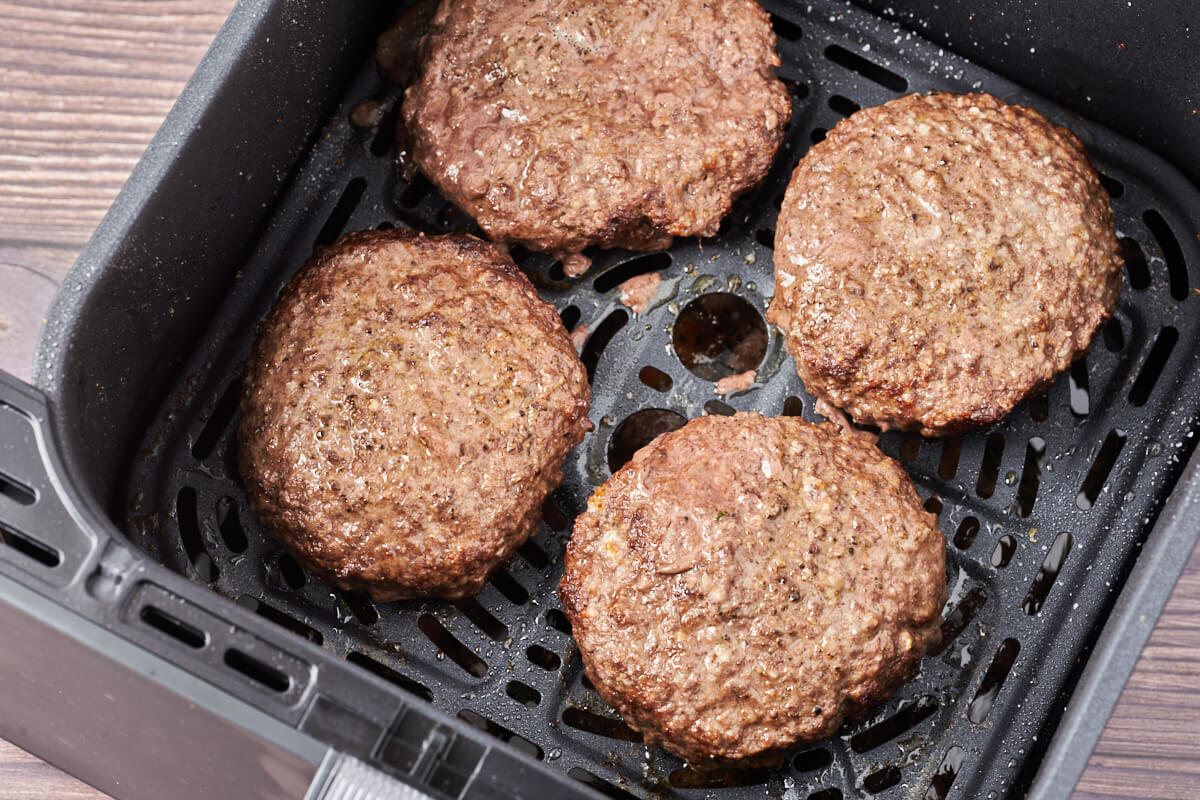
[[744, 583], [938, 258], [623, 124], [407, 408]]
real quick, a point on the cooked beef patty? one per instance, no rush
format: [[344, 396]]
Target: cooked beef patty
[[621, 124], [744, 583], [407, 408], [938, 258]]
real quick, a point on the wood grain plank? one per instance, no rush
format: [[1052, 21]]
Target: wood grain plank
[[29, 278], [83, 86], [1150, 747], [23, 777]]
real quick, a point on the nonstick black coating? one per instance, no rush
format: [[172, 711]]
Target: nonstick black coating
[[1044, 511]]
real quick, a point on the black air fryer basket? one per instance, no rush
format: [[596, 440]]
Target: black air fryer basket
[[160, 644]]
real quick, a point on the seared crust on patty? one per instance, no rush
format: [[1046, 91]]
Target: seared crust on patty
[[744, 583], [938, 258], [408, 406], [621, 124]]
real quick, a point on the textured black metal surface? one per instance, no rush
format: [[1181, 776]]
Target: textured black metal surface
[[1132, 65], [975, 720]]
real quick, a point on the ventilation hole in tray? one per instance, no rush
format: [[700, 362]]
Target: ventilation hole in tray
[[868, 69], [1114, 336], [765, 237], [1169, 245], [541, 657], [843, 105], [1135, 263], [989, 470], [960, 617], [17, 491], [534, 555], [553, 515], [797, 89], [600, 725], [257, 671], [1047, 573], [793, 407], [1039, 407], [1152, 367], [1031, 472], [947, 771], [826, 794], [41, 553], [1111, 185], [817, 135], [174, 627], [280, 618], [385, 137], [1003, 552], [1077, 381], [586, 682], [656, 379], [786, 29], [558, 620], [448, 216], [570, 317], [360, 606], [218, 421], [718, 335], [520, 254], [523, 694], [292, 573], [993, 680], [908, 716], [910, 446], [964, 537], [726, 226], [612, 278], [230, 525], [384, 226], [713, 407], [482, 618], [392, 676], [415, 192], [600, 338], [951, 450], [502, 733], [336, 222], [717, 779], [638, 430], [445, 641], [812, 760], [882, 779], [1101, 467], [189, 535], [934, 505], [513, 592], [599, 784], [874, 430]]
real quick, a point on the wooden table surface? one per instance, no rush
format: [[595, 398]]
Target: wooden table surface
[[83, 86]]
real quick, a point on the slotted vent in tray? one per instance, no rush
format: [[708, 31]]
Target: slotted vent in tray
[[1043, 511]]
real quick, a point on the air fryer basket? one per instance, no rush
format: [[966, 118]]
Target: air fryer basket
[[1044, 512]]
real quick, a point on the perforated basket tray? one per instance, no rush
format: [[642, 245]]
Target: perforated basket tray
[[1045, 511]]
